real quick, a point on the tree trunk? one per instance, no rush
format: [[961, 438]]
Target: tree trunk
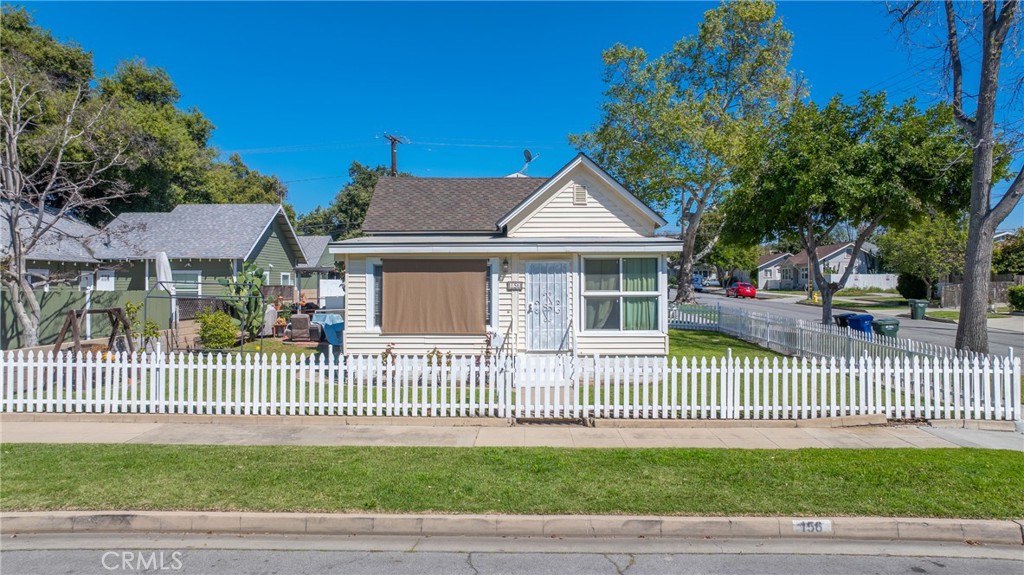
[[972, 329], [684, 281]]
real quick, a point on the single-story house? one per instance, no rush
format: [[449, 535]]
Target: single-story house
[[205, 243], [566, 264], [790, 271], [772, 271]]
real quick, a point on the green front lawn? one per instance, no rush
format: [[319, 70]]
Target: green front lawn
[[963, 483], [955, 314], [689, 343]]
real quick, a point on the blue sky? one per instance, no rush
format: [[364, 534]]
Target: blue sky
[[301, 90]]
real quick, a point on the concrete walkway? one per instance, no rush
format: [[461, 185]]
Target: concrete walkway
[[746, 437]]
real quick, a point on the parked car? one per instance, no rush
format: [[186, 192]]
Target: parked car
[[698, 284], [712, 282], [741, 289]]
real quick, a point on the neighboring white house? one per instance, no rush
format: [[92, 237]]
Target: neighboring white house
[[568, 264], [790, 271], [771, 270]]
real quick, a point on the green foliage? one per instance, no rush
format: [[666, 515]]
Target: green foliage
[[911, 286], [150, 331], [169, 159], [1008, 255], [675, 127], [343, 218], [247, 298], [217, 330], [930, 248], [857, 166], [1016, 296]]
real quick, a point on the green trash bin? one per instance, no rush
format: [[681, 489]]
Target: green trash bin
[[888, 327], [918, 308]]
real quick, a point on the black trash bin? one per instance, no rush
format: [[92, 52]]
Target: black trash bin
[[842, 319], [918, 307], [888, 327]]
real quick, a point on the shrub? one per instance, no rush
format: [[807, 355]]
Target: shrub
[[1016, 294], [911, 286], [217, 330]]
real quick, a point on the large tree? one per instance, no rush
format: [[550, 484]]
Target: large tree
[[972, 31], [674, 127], [343, 218], [865, 166], [62, 148], [930, 248]]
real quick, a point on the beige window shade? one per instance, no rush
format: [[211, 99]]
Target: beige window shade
[[434, 297]]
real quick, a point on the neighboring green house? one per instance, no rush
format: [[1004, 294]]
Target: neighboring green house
[[205, 243], [81, 266]]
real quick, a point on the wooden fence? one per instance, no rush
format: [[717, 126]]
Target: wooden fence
[[553, 387]]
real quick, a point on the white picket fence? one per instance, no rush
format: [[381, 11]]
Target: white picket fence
[[526, 387], [806, 338]]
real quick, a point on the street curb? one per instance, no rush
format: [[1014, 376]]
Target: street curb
[[973, 531]]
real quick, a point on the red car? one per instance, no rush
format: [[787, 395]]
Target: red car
[[741, 289]]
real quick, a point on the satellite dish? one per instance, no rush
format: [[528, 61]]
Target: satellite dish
[[529, 157]]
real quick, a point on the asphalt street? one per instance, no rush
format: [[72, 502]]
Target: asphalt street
[[476, 556], [1000, 340]]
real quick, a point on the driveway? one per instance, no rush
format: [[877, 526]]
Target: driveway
[[1001, 337]]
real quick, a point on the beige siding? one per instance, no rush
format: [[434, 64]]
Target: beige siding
[[620, 344], [511, 319], [605, 214]]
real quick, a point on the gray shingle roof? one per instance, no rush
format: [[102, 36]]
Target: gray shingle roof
[[406, 204], [214, 231], [68, 240], [313, 247]]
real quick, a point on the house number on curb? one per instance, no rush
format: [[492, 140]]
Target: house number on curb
[[801, 527]]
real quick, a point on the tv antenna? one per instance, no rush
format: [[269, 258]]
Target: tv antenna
[[395, 140]]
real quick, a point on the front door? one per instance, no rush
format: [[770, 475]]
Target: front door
[[547, 306]]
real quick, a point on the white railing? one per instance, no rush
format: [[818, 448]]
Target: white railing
[[553, 387], [806, 338]]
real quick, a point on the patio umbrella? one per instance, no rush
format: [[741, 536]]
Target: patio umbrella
[[163, 273]]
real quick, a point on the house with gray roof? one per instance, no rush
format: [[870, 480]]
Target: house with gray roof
[[318, 277], [566, 264], [206, 243]]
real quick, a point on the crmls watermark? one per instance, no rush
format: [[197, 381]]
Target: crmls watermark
[[142, 560]]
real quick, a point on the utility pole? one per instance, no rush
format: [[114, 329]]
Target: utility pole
[[395, 140]]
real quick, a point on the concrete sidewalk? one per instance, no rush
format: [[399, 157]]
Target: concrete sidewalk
[[242, 430]]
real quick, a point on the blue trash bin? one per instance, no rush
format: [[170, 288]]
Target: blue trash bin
[[861, 322]]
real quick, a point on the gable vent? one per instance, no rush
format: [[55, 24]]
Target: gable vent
[[579, 195]]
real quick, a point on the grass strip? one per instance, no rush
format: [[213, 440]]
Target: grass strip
[[963, 483]]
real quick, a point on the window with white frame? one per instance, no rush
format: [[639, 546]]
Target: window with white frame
[[375, 293], [620, 294], [768, 273], [186, 282], [38, 278], [105, 280], [286, 278]]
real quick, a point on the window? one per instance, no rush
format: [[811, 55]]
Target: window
[[621, 294], [378, 293], [768, 273], [86, 281], [286, 278], [105, 280], [39, 278], [186, 282]]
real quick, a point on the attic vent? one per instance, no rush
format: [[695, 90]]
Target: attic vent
[[579, 195]]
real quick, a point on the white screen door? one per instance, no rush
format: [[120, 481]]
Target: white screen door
[[547, 306]]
